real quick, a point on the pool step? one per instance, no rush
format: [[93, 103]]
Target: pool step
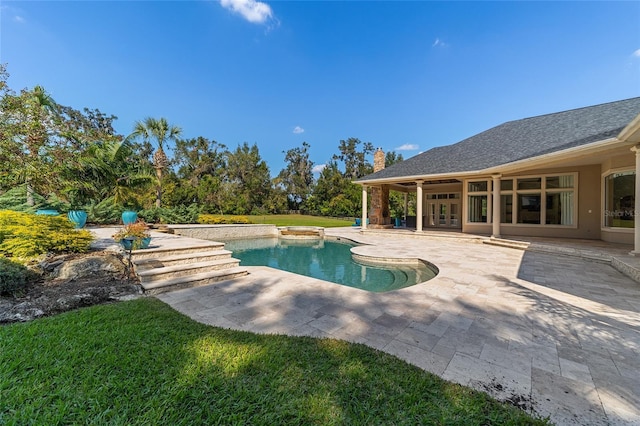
[[180, 259], [195, 280], [159, 252], [172, 267], [514, 244]]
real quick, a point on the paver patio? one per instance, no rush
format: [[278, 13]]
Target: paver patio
[[555, 334]]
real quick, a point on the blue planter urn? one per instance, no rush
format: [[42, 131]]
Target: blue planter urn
[[127, 243], [46, 212], [129, 217], [144, 243], [79, 217]]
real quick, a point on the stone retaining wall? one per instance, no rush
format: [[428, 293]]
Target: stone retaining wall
[[224, 232]]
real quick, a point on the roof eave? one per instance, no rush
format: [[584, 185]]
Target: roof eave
[[631, 132], [528, 163]]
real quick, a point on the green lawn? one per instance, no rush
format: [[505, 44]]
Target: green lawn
[[301, 220], [140, 362]]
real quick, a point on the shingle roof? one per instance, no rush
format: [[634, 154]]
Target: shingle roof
[[520, 140]]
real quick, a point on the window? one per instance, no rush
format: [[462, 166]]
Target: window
[[506, 208], [538, 200], [478, 201], [619, 193]]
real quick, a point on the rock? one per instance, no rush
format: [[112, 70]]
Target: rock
[[90, 266], [21, 312]]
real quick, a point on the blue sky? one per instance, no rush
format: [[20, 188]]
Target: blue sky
[[405, 76]]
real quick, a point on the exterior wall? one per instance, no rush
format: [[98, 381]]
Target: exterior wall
[[616, 235], [589, 211]]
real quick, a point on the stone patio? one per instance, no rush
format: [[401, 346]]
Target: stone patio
[[555, 334]]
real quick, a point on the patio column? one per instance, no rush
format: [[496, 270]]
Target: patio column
[[636, 207], [406, 205], [496, 206], [364, 207], [419, 206]]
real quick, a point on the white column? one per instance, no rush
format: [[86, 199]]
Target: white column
[[406, 205], [364, 207], [636, 225], [419, 207], [496, 206]]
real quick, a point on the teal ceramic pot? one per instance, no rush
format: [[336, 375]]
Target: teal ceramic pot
[[144, 243], [129, 217], [48, 212], [127, 243], [78, 217]]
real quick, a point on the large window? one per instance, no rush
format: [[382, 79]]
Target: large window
[[545, 200], [526, 200], [619, 193]]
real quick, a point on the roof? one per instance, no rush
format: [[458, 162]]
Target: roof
[[519, 140]]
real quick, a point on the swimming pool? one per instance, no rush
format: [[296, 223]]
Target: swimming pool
[[326, 260]]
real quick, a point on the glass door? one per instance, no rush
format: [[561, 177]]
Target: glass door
[[443, 217], [431, 214]]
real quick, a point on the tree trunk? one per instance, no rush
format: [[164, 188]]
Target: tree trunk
[[159, 187], [30, 200]]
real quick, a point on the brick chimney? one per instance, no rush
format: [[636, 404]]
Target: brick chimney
[[379, 215], [378, 160]]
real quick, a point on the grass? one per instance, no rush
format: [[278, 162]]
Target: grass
[[300, 220], [140, 362]]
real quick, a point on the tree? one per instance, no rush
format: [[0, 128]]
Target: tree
[[160, 131], [248, 183], [201, 163], [391, 158], [355, 162], [297, 177], [396, 199], [28, 143]]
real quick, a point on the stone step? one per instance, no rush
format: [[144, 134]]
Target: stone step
[[183, 270], [180, 259], [514, 244], [194, 280], [159, 252]]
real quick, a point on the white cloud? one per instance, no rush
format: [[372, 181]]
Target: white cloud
[[636, 53], [19, 19], [407, 147], [253, 11], [318, 168], [439, 43], [297, 130]]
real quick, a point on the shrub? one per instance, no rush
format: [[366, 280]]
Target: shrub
[[214, 219], [14, 277], [179, 214], [25, 235]]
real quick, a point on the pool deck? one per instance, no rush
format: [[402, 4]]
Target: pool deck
[[557, 335]]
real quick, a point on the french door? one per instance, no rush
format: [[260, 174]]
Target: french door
[[443, 212]]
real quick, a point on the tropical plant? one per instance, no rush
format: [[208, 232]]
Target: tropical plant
[[28, 131], [160, 131], [136, 231]]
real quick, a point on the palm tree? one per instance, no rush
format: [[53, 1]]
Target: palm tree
[[161, 131], [29, 121]]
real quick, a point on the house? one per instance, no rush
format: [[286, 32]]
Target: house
[[570, 174]]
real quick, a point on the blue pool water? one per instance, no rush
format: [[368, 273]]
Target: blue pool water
[[328, 261]]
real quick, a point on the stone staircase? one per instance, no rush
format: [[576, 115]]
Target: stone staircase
[[163, 269]]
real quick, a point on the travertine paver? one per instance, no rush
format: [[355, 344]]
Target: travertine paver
[[559, 335]]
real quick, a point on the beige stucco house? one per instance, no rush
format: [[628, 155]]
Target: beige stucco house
[[571, 174]]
